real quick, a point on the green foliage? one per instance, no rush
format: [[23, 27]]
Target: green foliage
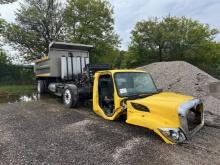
[[37, 24], [16, 89], [3, 59], [14, 74], [173, 38], [119, 60], [208, 58], [91, 22], [2, 21], [1, 25], [2, 28], [6, 1]]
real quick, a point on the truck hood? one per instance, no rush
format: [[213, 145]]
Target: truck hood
[[163, 102], [160, 112], [168, 97]]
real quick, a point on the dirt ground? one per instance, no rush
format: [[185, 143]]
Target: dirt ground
[[44, 132]]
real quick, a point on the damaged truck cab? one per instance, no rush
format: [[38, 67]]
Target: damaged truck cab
[[66, 72], [174, 117]]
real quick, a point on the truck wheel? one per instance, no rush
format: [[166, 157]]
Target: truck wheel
[[70, 98], [40, 87]]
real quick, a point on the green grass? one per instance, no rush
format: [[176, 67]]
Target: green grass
[[16, 89]]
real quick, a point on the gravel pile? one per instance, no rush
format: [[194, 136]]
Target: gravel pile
[[182, 77]]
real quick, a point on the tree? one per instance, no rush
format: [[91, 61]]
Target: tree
[[14, 74], [6, 1], [91, 22], [2, 26], [171, 38], [4, 58], [38, 22], [1, 20], [119, 59]]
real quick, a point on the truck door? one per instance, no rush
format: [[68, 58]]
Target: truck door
[[106, 94], [137, 109], [103, 95]]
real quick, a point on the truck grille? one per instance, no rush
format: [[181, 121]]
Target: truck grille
[[194, 116]]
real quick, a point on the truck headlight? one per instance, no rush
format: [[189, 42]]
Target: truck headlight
[[175, 135]]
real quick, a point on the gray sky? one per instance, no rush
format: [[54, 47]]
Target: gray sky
[[128, 12]]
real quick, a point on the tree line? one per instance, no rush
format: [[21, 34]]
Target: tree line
[[173, 39], [39, 22], [14, 74]]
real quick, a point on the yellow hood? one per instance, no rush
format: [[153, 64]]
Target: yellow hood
[[167, 98], [164, 104]]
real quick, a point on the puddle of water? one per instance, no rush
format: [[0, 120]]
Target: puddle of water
[[19, 98], [22, 98]]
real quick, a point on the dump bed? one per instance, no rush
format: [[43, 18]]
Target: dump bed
[[64, 60]]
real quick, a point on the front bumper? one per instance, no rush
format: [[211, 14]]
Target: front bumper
[[188, 126]]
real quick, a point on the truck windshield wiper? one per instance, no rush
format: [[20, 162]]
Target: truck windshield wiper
[[146, 95], [136, 96], [133, 96]]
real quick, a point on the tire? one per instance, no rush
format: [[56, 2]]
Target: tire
[[40, 87], [70, 97]]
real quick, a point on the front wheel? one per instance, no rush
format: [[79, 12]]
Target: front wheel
[[70, 97]]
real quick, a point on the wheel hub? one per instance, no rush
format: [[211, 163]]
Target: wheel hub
[[67, 96]]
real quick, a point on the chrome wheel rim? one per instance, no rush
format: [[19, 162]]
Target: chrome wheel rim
[[67, 96]]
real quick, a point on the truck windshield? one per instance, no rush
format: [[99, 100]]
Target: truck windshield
[[134, 83]]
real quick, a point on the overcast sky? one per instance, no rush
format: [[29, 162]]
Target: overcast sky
[[128, 12]]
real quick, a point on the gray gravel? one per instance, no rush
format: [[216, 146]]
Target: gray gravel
[[180, 76], [44, 132]]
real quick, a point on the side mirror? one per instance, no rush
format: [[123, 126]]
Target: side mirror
[[160, 90]]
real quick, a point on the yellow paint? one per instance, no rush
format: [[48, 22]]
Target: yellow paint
[[163, 107], [43, 75], [163, 112], [44, 58]]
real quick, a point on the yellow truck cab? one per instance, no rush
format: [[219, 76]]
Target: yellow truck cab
[[174, 117]]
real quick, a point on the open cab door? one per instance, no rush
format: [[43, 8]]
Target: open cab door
[[105, 100]]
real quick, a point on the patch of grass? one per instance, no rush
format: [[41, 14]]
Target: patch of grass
[[16, 89]]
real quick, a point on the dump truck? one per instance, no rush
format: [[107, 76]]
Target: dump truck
[[67, 73]]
